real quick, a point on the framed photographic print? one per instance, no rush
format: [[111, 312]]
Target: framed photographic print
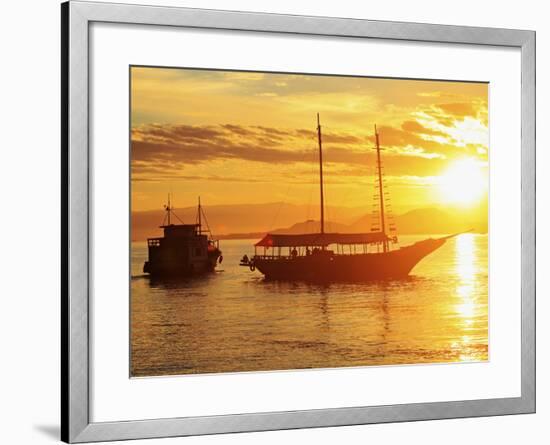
[[276, 222]]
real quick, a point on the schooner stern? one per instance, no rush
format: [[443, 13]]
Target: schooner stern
[[339, 256]]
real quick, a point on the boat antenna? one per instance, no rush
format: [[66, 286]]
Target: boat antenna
[[169, 210], [321, 174], [380, 190]]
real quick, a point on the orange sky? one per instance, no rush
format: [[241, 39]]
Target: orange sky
[[239, 137]]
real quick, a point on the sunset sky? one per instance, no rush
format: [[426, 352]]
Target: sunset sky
[[240, 137]]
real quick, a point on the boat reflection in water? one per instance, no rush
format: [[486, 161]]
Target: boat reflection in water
[[232, 321]]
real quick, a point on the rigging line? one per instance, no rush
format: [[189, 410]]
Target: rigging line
[[325, 195], [347, 195], [312, 185], [206, 221], [328, 219], [276, 216], [369, 178], [171, 210], [302, 159], [375, 215], [308, 208], [179, 219]]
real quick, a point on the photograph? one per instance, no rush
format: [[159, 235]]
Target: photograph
[[277, 223], [287, 221]]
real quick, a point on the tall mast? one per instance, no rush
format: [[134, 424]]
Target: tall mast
[[380, 189], [168, 209], [200, 215], [321, 174]]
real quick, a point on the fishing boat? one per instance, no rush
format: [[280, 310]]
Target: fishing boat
[[185, 249], [326, 256]]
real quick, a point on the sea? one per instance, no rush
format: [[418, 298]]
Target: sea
[[234, 320]]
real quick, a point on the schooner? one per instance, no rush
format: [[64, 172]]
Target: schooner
[[326, 256]]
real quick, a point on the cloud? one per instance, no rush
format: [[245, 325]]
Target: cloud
[[200, 151], [447, 114], [459, 109], [161, 151], [417, 127]]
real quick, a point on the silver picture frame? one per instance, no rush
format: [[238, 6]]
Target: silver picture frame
[[76, 18]]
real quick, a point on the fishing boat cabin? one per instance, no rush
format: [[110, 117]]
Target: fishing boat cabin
[[184, 250]]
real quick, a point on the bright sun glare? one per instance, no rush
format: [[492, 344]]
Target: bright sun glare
[[463, 183]]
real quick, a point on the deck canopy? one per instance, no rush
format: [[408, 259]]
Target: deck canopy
[[320, 239]]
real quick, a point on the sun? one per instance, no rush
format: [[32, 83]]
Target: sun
[[464, 182]]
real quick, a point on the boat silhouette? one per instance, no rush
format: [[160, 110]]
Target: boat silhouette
[[340, 256], [185, 250]]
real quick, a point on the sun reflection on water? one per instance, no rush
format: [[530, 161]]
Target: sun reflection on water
[[466, 306], [234, 321], [465, 257]]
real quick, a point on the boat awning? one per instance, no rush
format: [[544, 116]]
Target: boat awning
[[320, 239]]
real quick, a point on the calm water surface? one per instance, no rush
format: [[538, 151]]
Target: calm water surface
[[234, 320]]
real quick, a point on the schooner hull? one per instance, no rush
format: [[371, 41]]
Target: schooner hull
[[325, 266]]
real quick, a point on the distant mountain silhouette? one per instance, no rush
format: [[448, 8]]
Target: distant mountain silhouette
[[311, 226], [255, 220], [239, 218], [429, 220]]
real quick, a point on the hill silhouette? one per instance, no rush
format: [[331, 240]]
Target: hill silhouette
[[255, 220], [239, 218], [429, 220]]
